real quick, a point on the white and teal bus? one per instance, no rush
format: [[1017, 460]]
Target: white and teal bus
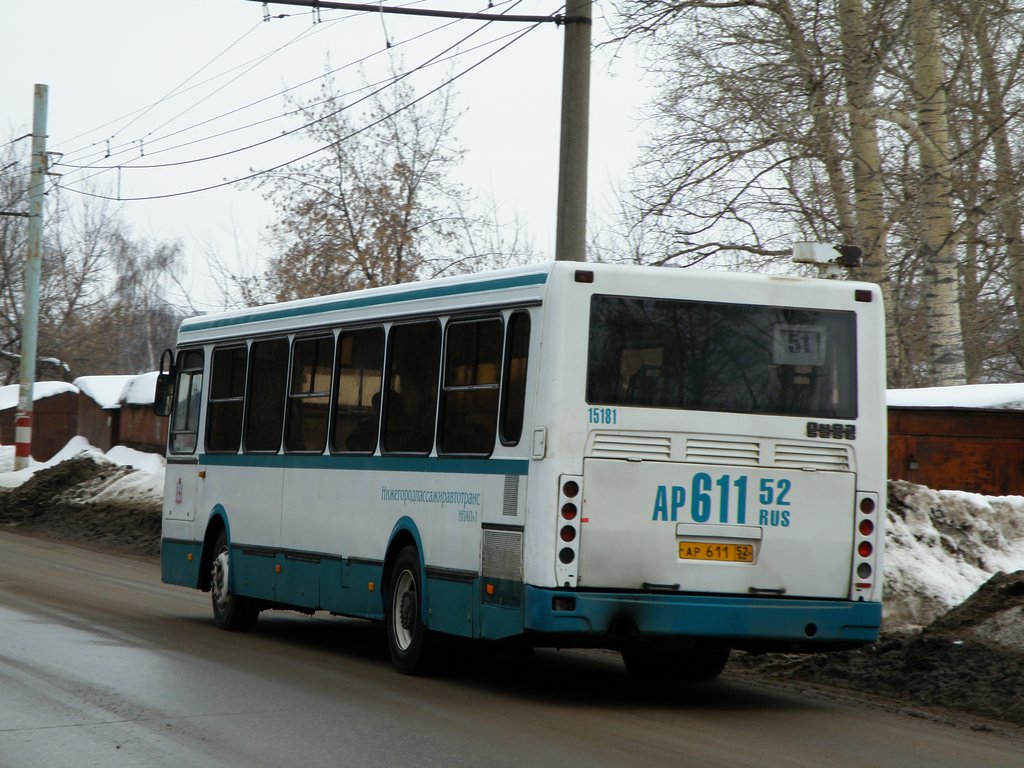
[[666, 462]]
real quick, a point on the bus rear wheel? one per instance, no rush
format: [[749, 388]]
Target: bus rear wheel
[[654, 660], [409, 641], [230, 611]]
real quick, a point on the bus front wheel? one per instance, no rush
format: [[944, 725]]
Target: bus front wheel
[[230, 611], [408, 638]]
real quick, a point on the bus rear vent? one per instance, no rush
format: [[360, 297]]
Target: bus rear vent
[[510, 499], [614, 445], [502, 555]]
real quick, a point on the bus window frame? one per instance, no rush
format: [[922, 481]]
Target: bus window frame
[[193, 396], [443, 388], [290, 396], [388, 393], [336, 383], [506, 371], [286, 338], [227, 347]]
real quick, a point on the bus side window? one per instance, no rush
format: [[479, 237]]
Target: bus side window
[[357, 390], [227, 394], [187, 397], [309, 396], [517, 346], [469, 400], [268, 378], [410, 402]]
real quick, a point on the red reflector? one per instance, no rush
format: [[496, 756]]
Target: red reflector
[[586, 276], [866, 527], [863, 585], [864, 549], [862, 295]]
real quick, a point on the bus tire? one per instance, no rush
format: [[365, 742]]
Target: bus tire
[[408, 638], [230, 611], [660, 661]]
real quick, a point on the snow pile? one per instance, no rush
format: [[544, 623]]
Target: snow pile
[[942, 545], [144, 485], [147, 484]]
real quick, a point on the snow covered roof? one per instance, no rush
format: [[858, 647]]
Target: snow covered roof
[[141, 390], [1008, 396], [41, 389], [104, 390]]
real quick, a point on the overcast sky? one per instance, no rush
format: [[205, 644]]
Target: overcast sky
[[151, 82]]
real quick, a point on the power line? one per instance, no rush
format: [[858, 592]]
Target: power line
[[311, 153], [139, 145], [151, 166], [379, 85], [128, 145]]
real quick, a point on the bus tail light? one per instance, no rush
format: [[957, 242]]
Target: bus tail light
[[567, 543], [866, 545]]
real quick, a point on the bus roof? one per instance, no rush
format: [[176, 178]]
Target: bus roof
[[521, 285]]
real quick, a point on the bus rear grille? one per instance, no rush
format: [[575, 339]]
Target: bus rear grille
[[704, 451], [626, 446], [804, 456], [502, 555]]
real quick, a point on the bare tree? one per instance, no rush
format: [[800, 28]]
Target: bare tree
[[377, 206], [881, 124]]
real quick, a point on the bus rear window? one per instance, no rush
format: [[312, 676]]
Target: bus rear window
[[735, 358]]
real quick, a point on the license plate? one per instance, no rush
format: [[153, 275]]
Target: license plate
[[729, 553]]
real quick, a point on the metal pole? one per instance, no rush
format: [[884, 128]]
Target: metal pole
[[30, 307], [571, 227]]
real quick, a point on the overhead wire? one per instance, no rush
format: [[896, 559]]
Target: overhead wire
[[129, 146], [392, 81], [378, 87], [306, 155], [256, 61]]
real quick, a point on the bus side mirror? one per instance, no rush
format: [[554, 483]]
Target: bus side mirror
[[163, 398]]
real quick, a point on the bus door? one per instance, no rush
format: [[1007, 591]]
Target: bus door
[[184, 474]]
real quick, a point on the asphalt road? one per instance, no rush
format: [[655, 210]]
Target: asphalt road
[[102, 665]]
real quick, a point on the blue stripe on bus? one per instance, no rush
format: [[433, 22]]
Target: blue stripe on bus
[[365, 301], [704, 616], [369, 463]]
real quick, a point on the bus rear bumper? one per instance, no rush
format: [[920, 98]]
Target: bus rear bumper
[[752, 623]]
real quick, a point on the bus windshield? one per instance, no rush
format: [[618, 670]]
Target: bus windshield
[[724, 357]]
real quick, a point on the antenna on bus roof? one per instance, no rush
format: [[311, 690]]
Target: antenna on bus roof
[[827, 258]]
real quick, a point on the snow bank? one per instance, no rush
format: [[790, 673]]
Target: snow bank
[[41, 389], [104, 390], [970, 396], [141, 390], [150, 466], [942, 545]]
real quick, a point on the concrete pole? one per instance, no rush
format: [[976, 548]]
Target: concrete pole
[[30, 305], [571, 227]]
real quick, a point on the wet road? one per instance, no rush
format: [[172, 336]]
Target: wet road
[[101, 665]]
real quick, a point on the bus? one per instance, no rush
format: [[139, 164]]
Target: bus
[[668, 463]]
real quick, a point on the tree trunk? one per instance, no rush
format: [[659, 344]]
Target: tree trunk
[[945, 340]]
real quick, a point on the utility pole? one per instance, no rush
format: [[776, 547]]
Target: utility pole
[[571, 224], [571, 208], [30, 305]]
